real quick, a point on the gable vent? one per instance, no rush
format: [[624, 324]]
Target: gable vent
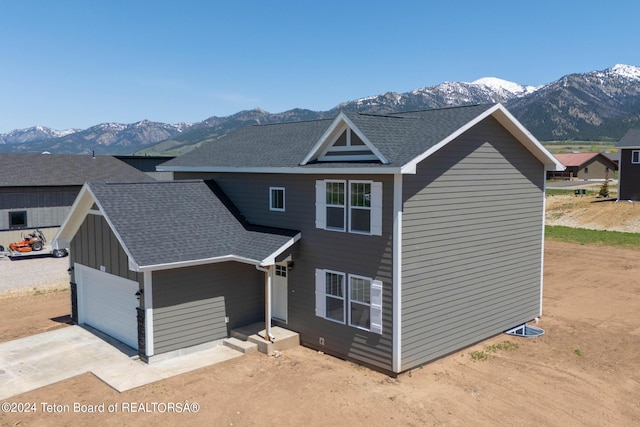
[[348, 147]]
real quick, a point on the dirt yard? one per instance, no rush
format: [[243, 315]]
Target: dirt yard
[[585, 369], [590, 212]]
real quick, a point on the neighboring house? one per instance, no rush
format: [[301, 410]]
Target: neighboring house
[[629, 166], [147, 164], [388, 240], [37, 190], [584, 166]]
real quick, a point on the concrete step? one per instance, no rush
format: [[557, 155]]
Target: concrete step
[[241, 346], [283, 339]]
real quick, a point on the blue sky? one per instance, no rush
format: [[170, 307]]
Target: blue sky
[[78, 63]]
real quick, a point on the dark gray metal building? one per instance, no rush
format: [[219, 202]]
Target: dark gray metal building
[[37, 190], [629, 166]]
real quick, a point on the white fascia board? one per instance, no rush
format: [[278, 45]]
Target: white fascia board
[[79, 210], [366, 141], [410, 167], [271, 259], [527, 139], [342, 118], [347, 170], [190, 263], [511, 124], [336, 122]]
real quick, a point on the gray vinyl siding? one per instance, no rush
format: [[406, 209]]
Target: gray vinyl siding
[[471, 243], [45, 206], [190, 304], [95, 246], [629, 177], [369, 256]]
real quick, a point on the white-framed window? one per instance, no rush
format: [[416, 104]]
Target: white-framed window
[[635, 156], [359, 302], [276, 199], [356, 203], [334, 283], [335, 205], [360, 207], [356, 302]]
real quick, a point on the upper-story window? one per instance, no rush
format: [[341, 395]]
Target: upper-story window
[[360, 207], [635, 156], [276, 199], [354, 206], [335, 205]]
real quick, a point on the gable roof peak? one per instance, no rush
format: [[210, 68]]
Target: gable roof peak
[[344, 141]]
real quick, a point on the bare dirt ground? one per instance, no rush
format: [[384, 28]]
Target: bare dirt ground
[[594, 213], [585, 369]]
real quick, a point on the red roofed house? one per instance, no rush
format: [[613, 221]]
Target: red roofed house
[[584, 166]]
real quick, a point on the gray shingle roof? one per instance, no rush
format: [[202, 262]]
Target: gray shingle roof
[[31, 169], [399, 137], [272, 145], [181, 221], [630, 139]]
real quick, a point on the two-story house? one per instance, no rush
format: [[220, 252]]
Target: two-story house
[[388, 240]]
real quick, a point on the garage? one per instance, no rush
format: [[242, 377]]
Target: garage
[[108, 303]]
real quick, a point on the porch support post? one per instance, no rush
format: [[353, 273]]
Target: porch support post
[[267, 302]]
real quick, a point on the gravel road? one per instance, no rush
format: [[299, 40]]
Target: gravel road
[[27, 274]]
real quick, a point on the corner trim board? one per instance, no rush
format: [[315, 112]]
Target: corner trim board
[[397, 273], [148, 315]]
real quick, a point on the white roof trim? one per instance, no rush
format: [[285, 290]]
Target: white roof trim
[[79, 210], [341, 118], [82, 207], [510, 123], [271, 259], [347, 170], [213, 260], [84, 201]]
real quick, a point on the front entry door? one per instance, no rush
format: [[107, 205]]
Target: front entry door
[[279, 305]]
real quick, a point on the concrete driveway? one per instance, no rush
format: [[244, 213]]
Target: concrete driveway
[[39, 360]]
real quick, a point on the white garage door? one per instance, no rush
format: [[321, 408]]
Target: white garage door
[[108, 303]]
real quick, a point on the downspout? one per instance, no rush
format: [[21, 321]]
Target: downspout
[[267, 302]]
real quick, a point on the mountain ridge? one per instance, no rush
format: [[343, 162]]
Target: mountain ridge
[[591, 106]]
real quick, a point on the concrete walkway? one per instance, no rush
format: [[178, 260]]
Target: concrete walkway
[[39, 360]]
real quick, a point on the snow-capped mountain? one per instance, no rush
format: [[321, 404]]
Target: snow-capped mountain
[[447, 94], [105, 138], [589, 106], [596, 105], [34, 133], [498, 85]]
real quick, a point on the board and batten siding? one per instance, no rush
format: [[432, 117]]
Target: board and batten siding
[[629, 176], [190, 304], [471, 243], [368, 256], [96, 246], [45, 206]]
